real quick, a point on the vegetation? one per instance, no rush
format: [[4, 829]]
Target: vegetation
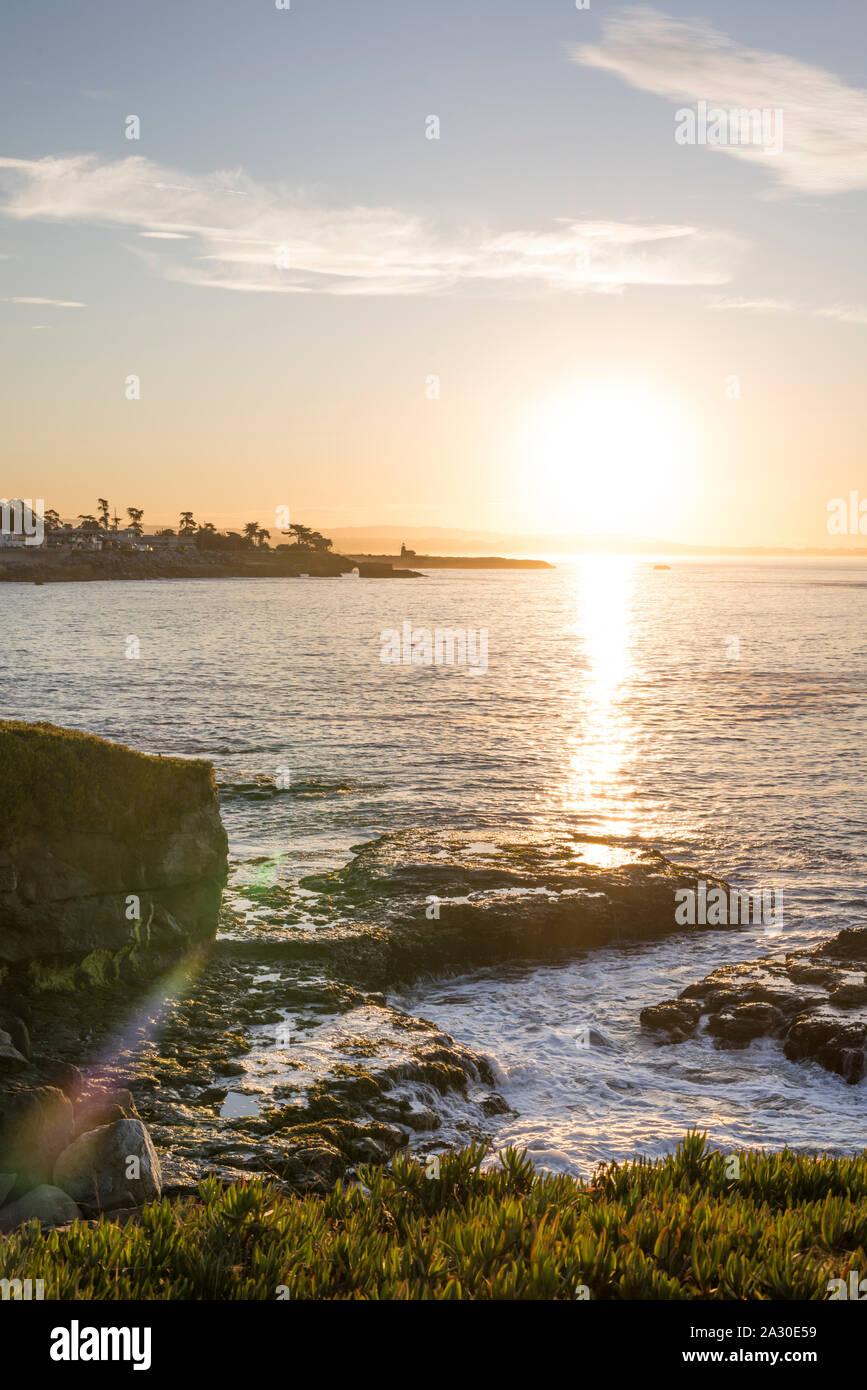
[[678, 1228], [205, 533], [307, 539], [61, 779]]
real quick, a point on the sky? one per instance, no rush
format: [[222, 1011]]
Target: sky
[[446, 264]]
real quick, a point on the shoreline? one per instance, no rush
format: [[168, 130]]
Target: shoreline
[[81, 567]]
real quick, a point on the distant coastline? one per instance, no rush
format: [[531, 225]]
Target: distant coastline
[[457, 562], [38, 566]]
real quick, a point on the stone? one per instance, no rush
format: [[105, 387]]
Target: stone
[[10, 1058], [104, 1108], [494, 1104], [745, 1022], [96, 1169], [51, 1206], [35, 1125], [676, 1017], [313, 1167], [849, 996], [7, 1182], [18, 1031]]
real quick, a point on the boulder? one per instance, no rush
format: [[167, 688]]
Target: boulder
[[104, 1108], [35, 1126], [14, 1025], [11, 1059], [113, 1166], [46, 1204]]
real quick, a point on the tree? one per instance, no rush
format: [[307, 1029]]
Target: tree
[[251, 531], [104, 514], [166, 531], [306, 538], [263, 536], [135, 515], [188, 527], [88, 522], [51, 520]]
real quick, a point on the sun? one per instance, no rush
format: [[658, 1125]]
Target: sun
[[608, 459]]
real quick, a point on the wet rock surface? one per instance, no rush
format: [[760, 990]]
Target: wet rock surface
[[813, 1001], [448, 901]]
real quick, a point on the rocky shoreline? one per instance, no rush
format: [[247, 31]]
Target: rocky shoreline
[[814, 1002], [274, 1050]]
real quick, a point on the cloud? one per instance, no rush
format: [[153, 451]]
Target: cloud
[[226, 231], [33, 299], [843, 313], [824, 120]]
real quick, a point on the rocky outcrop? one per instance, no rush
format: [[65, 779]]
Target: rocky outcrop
[[112, 865], [448, 901], [814, 1001], [109, 859]]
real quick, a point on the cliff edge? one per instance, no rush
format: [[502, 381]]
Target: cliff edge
[[111, 861]]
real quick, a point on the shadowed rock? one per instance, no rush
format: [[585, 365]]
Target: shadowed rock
[[110, 860]]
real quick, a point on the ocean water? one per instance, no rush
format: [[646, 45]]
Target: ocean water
[[714, 711]]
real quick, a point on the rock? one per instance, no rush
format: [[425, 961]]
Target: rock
[[104, 1108], [494, 1104], [420, 1117], [88, 826], [808, 1000], [95, 1168], [35, 1126], [848, 996], [18, 1031], [677, 1017], [10, 1058], [7, 1182], [312, 1167], [66, 1076], [745, 1022], [49, 1205], [494, 902]]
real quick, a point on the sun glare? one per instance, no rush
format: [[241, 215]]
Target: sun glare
[[609, 459]]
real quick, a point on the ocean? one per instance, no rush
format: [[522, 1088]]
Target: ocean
[[713, 711]]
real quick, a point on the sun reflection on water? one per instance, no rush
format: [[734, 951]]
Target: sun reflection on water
[[602, 745]]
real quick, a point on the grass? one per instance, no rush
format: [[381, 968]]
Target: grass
[[677, 1228], [60, 779]]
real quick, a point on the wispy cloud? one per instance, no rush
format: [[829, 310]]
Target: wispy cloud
[[825, 121], [34, 299], [226, 231], [843, 313]]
